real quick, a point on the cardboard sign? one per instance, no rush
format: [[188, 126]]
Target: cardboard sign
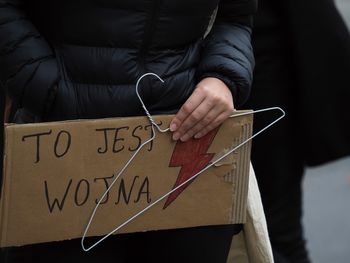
[[55, 173]]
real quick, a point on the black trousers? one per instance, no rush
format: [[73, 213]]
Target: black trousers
[[277, 154], [200, 244]]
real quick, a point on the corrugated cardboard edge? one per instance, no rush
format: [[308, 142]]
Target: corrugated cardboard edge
[[239, 176], [252, 244], [5, 195]]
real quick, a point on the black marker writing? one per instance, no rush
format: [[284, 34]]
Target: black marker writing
[[56, 202], [61, 145], [37, 135], [78, 191], [68, 143], [107, 185], [123, 191]]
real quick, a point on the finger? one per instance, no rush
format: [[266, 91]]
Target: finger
[[196, 116], [219, 120], [205, 121], [190, 105]]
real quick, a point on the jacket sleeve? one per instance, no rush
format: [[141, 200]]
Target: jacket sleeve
[[227, 52], [28, 69]]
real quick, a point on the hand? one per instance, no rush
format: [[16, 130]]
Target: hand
[[210, 104]]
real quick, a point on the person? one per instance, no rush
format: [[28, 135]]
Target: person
[[302, 51], [63, 60]]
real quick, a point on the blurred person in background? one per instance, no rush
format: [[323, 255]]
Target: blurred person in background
[[302, 51]]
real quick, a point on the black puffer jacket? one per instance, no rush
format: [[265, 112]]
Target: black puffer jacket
[[72, 59]]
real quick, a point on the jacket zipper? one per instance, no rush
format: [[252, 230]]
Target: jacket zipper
[[149, 29]]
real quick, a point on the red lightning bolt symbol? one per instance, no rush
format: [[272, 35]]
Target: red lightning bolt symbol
[[192, 156]]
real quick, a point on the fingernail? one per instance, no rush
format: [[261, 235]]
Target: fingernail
[[176, 136], [173, 127], [198, 135], [184, 138]]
